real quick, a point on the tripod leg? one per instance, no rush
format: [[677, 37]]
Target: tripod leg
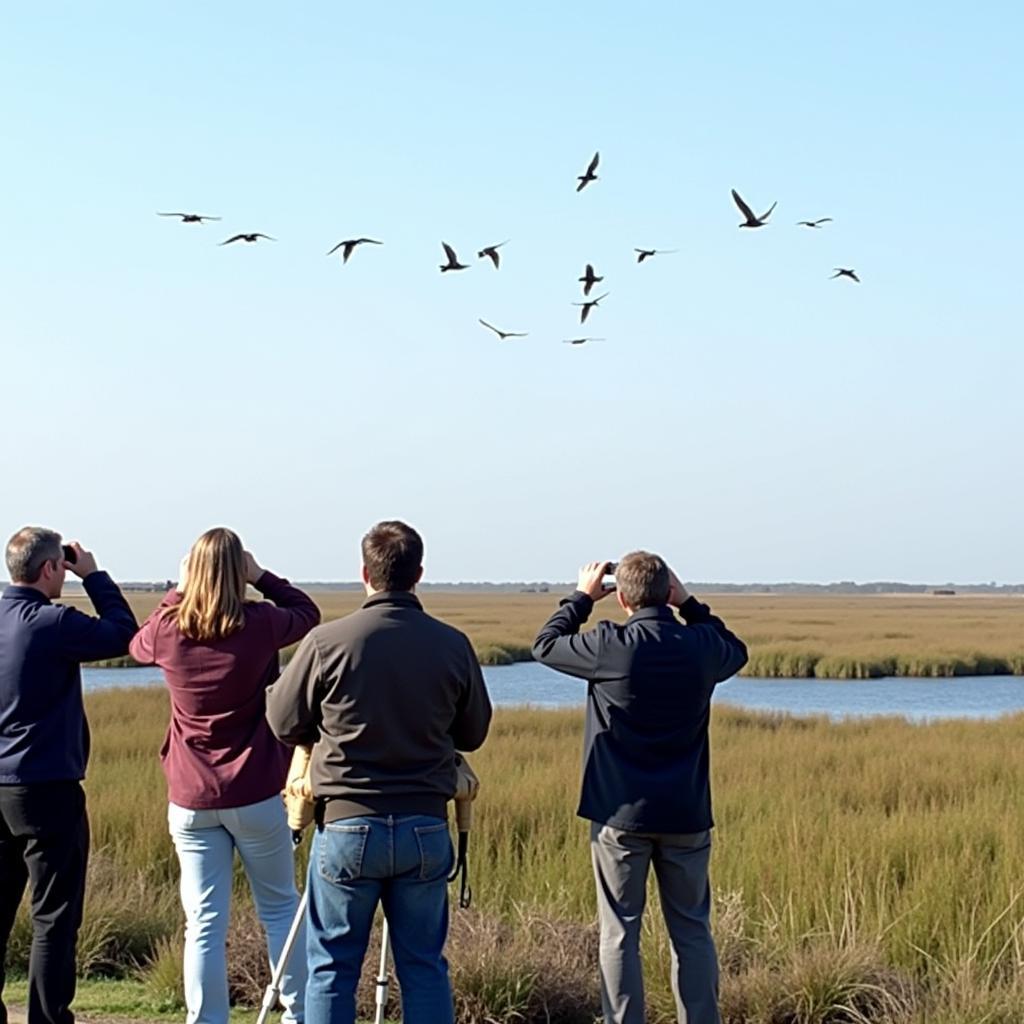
[[381, 992], [273, 992]]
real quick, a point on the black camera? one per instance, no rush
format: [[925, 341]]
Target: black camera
[[69, 554], [608, 579]]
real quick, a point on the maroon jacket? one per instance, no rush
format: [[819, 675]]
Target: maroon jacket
[[219, 751]]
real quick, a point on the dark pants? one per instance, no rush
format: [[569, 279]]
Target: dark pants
[[44, 840]]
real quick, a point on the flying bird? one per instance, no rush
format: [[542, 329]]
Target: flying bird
[[585, 179], [751, 221], [453, 260], [348, 247], [248, 238], [189, 218], [491, 252], [503, 334], [643, 254], [589, 278], [579, 341], [588, 306], [813, 223], [844, 272]]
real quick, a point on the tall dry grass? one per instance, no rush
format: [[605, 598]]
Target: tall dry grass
[[827, 636], [863, 871]]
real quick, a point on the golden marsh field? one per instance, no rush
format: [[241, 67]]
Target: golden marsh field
[[864, 871], [827, 636]]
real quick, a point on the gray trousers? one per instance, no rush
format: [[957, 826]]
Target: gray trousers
[[621, 864]]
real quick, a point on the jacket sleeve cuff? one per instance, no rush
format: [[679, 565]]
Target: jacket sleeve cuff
[[267, 582], [584, 602], [693, 611], [98, 580]]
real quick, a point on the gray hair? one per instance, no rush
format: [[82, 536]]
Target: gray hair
[[642, 579], [29, 550]]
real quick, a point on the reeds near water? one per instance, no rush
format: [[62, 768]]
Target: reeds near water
[[833, 637], [863, 871]]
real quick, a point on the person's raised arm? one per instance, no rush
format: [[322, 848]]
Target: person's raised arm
[[143, 645], [473, 713], [293, 613], [293, 702], [559, 644], [725, 653], [86, 637]]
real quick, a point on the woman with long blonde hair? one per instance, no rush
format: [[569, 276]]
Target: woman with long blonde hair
[[224, 768]]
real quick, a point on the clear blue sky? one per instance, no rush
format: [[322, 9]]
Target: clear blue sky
[[746, 416]]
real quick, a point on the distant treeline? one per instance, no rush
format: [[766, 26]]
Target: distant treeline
[[543, 587]]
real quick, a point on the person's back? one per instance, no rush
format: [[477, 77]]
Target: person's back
[[44, 751], [646, 734], [219, 751], [392, 694], [646, 788], [385, 696]]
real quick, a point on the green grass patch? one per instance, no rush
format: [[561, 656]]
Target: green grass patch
[[127, 998]]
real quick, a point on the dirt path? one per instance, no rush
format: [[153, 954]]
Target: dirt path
[[16, 1015]]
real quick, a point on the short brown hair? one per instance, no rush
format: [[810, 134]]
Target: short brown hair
[[29, 550], [642, 579], [393, 555]]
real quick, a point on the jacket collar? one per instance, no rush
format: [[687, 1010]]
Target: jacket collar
[[404, 598], [16, 593], [658, 611]]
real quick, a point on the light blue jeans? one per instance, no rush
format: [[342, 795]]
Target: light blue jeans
[[403, 862], [206, 842]]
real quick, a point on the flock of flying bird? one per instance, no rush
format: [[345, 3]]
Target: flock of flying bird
[[588, 280]]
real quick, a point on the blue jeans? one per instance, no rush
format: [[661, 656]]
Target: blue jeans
[[403, 863], [206, 842]]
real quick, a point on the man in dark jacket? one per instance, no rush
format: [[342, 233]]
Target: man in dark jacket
[[387, 695], [645, 787], [44, 747]]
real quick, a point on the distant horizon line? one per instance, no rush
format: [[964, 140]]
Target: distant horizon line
[[873, 586]]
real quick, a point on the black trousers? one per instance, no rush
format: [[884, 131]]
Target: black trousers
[[44, 841]]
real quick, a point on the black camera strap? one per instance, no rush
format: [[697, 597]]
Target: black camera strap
[[462, 868]]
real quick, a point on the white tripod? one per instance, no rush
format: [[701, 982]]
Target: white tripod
[[273, 991], [380, 994]]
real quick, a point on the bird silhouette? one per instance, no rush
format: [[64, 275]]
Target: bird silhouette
[[453, 260], [579, 341], [643, 254], [491, 252], [844, 272], [751, 221], [248, 238], [813, 223], [348, 247], [589, 278], [588, 306], [503, 334], [585, 179], [189, 218]]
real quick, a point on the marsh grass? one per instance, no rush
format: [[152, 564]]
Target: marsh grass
[[789, 636], [863, 870]]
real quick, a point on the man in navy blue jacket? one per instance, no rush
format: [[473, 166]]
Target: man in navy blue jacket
[[646, 789], [44, 746]]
